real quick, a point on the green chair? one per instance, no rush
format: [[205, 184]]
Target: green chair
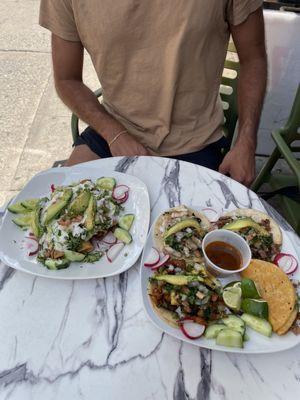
[[285, 186], [228, 90]]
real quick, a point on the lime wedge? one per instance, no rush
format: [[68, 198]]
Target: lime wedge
[[249, 289], [232, 297], [232, 283], [258, 308]]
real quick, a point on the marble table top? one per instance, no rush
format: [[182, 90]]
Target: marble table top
[[92, 340]]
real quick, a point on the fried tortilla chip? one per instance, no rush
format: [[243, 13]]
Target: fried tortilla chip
[[276, 288]]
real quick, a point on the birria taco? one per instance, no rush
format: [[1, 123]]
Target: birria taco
[[179, 233], [261, 231]]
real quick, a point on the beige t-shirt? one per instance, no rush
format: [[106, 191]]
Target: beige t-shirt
[[159, 62]]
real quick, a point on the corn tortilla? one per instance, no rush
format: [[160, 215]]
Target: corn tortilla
[[276, 288], [258, 216]]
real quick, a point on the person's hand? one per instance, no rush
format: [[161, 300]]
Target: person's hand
[[126, 145], [239, 164]]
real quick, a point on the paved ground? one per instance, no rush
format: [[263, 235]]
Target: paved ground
[[34, 124]]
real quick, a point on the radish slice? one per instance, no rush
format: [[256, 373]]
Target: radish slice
[[162, 262], [212, 214], [32, 245], [286, 262], [120, 192], [109, 239], [114, 251], [153, 258], [123, 199], [52, 188], [191, 329]]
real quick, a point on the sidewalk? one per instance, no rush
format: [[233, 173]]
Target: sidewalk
[[34, 124]]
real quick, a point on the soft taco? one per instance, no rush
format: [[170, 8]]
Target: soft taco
[[260, 230], [189, 291], [179, 233]]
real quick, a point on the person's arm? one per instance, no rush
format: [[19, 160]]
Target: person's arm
[[249, 40], [67, 66]]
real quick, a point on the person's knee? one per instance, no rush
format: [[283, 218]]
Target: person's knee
[[80, 154]]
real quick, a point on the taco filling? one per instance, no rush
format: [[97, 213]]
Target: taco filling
[[258, 235], [186, 290]]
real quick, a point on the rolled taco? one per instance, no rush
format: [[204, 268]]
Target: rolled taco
[[260, 230], [179, 232]]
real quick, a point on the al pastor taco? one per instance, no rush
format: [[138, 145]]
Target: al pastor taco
[[179, 233], [259, 229]]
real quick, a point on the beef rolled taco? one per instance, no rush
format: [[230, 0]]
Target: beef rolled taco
[[259, 229], [179, 233]]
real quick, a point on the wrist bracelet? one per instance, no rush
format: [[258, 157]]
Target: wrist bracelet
[[116, 137]]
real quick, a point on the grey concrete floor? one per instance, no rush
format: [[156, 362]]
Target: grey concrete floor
[[34, 124]]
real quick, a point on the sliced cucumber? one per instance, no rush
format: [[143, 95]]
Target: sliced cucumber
[[213, 330], [30, 204], [123, 235], [74, 255], [235, 323], [126, 221], [229, 338], [56, 264], [106, 183], [18, 208], [23, 221], [258, 324]]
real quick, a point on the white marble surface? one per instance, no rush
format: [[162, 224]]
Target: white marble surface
[[92, 339]]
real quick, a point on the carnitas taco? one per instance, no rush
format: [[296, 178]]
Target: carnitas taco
[[179, 233], [184, 292], [259, 229]]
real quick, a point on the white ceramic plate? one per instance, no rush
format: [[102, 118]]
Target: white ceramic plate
[[256, 344], [13, 254]]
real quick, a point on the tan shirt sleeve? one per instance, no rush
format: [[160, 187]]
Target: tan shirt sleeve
[[239, 10], [58, 17]]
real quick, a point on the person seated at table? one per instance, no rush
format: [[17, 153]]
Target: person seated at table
[[160, 64]]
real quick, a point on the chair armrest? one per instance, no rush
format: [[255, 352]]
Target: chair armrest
[[287, 153], [75, 120]]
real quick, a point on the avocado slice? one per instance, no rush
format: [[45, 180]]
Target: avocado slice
[[23, 221], [90, 213], [54, 209], [186, 223], [18, 208], [178, 280], [79, 204], [246, 223], [35, 223]]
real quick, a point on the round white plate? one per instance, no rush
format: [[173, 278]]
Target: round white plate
[[13, 254], [257, 343]]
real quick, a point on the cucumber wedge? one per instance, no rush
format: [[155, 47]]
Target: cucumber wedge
[[213, 330], [123, 235], [229, 338], [235, 323], [106, 183], [74, 255], [259, 325], [24, 221], [126, 221], [56, 264]]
